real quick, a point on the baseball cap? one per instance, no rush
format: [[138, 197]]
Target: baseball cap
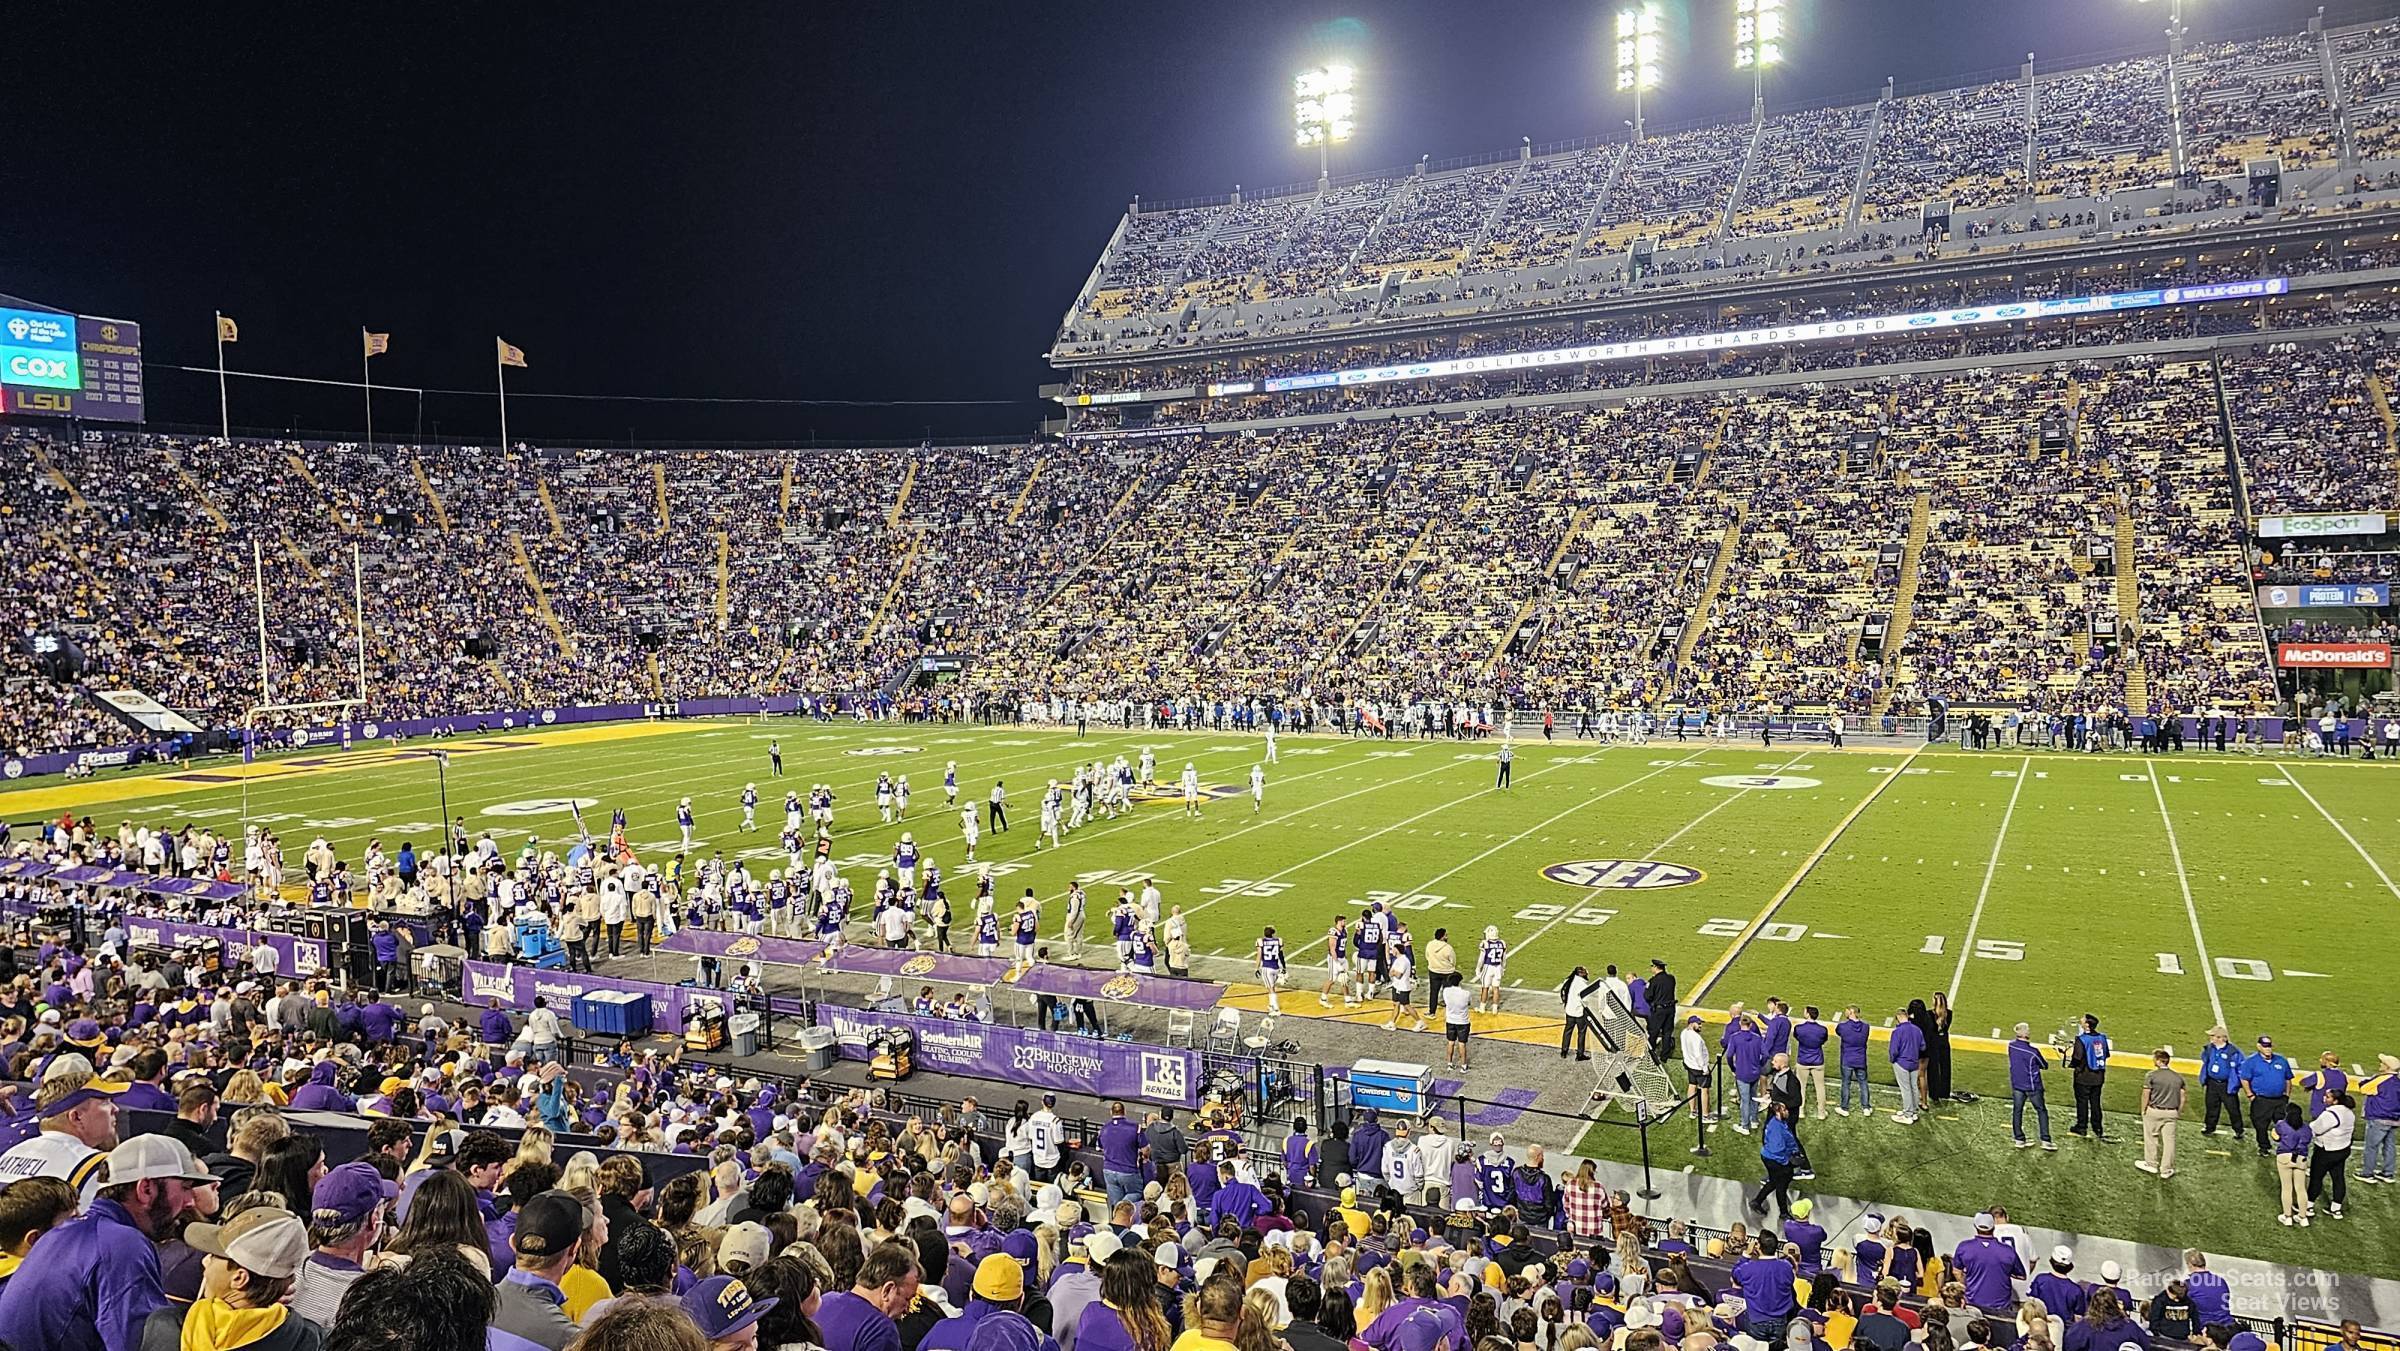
[[444, 1147], [2111, 1272], [1802, 1208], [1983, 1222], [2063, 1255], [1102, 1245], [147, 1157], [97, 1090], [1201, 1270], [1169, 1257], [549, 1224], [748, 1241], [1421, 1330], [349, 1194], [269, 1242], [722, 1306], [1000, 1278]]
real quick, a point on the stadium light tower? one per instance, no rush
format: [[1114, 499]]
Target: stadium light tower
[[1637, 55], [1324, 110], [1757, 44]]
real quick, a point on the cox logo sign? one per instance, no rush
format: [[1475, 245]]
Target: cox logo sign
[[32, 370]]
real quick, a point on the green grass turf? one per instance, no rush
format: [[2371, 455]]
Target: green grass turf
[[2067, 909]]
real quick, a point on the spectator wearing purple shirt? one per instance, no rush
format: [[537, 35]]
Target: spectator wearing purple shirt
[[1810, 1035], [860, 1318], [2057, 1289], [1235, 1199], [2025, 1065], [1851, 1032], [1120, 1155], [2210, 1296], [1906, 1051], [1989, 1268], [1299, 1155], [1746, 1048], [1766, 1285]]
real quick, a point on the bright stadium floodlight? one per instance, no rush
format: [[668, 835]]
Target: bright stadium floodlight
[[1324, 110], [1638, 55], [1757, 43]]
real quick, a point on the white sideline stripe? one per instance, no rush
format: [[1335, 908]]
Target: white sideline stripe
[[2208, 969], [1992, 865], [641, 749], [1340, 848], [2345, 832]]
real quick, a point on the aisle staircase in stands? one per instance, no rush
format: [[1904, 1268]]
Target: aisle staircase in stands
[[41, 461], [658, 485], [908, 483], [1707, 601], [2380, 395], [441, 514], [2137, 677], [1904, 597], [333, 510], [1508, 632], [541, 594], [724, 578], [541, 489], [194, 492]]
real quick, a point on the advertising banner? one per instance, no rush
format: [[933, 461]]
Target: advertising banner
[[1065, 982], [516, 986], [295, 956], [2335, 656], [37, 350], [1020, 1055], [2312, 595], [2322, 525]]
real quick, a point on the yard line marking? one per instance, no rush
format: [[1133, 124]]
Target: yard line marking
[[1301, 811], [1775, 902], [1339, 848], [2208, 969], [1688, 827], [1991, 866], [2337, 825]]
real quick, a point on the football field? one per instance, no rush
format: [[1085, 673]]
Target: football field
[[2164, 894]]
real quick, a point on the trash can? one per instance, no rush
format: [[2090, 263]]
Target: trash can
[[818, 1049], [744, 1027]]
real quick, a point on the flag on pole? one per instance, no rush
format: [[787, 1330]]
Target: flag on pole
[[227, 330], [378, 343], [510, 356], [580, 828]]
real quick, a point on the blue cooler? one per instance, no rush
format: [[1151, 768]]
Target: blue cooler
[[1390, 1086]]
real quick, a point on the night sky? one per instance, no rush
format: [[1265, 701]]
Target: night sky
[[796, 201]]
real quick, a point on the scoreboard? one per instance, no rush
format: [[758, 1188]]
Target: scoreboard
[[70, 365]]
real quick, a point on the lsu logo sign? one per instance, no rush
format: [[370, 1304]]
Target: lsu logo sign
[[1760, 781], [1623, 874], [916, 966], [1166, 1077], [1123, 987], [742, 947]]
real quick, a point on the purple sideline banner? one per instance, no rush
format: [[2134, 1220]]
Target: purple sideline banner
[[1066, 982], [1020, 1055], [295, 956], [515, 987]]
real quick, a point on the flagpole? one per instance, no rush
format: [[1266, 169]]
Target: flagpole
[[258, 583], [500, 363], [224, 419], [366, 370], [358, 598]]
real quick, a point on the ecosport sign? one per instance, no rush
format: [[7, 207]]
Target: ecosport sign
[[2322, 525], [1868, 326]]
